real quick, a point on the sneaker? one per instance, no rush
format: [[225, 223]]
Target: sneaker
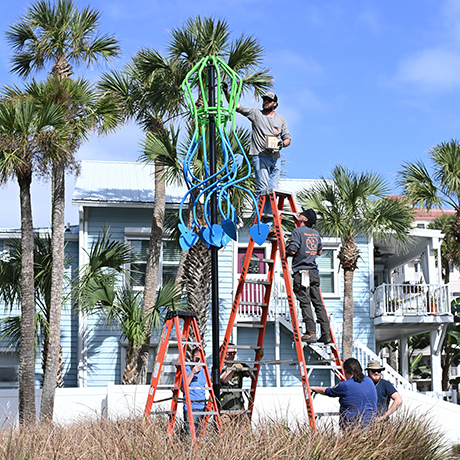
[[309, 337], [325, 339]]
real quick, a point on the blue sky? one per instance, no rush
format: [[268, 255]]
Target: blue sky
[[361, 83]]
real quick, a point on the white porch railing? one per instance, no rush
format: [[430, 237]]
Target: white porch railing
[[410, 300]]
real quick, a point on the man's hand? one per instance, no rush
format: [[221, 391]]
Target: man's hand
[[280, 144], [196, 369], [225, 87], [238, 367]]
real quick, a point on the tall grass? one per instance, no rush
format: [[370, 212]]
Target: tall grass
[[403, 438]]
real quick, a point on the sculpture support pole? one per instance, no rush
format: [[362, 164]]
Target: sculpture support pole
[[214, 249]]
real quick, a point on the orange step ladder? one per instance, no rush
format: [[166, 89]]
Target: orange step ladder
[[278, 200], [182, 337]]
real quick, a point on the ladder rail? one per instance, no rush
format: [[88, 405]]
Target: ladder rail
[[292, 307]]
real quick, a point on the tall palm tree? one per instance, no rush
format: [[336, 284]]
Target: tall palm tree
[[150, 90], [24, 124], [10, 293], [439, 188], [60, 35], [350, 205]]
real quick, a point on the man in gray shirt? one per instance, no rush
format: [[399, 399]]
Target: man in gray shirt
[[269, 135], [304, 245]]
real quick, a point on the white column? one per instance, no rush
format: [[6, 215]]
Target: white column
[[82, 323], [436, 338], [404, 357]]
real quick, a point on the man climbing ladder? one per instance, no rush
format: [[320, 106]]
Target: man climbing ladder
[[304, 246]]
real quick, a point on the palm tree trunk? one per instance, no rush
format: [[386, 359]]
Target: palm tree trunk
[[27, 352], [153, 262], [347, 335], [57, 277], [197, 276]]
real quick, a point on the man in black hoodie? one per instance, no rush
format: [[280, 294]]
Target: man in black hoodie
[[304, 246]]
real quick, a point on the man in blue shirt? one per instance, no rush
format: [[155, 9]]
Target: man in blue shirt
[[385, 391]]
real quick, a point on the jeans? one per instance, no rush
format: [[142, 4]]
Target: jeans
[[197, 422], [267, 172]]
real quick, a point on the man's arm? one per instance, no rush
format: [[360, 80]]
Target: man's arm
[[319, 390], [397, 401], [227, 94]]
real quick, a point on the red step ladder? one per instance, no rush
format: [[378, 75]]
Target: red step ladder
[[182, 337], [328, 359]]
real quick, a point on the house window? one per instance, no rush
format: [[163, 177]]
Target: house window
[[137, 269], [420, 225], [171, 257], [327, 271], [169, 261], [416, 267], [9, 370]]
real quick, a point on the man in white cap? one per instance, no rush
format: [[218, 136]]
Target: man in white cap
[[385, 391], [269, 135]]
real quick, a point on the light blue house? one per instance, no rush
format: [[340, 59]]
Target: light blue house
[[119, 196]]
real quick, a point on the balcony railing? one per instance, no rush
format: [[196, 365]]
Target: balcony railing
[[410, 300]]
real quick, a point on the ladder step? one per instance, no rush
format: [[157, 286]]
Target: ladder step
[[249, 325], [281, 193], [288, 213], [322, 366], [255, 281], [326, 414], [163, 412], [187, 363], [242, 411], [237, 390], [186, 342], [267, 214], [247, 347], [204, 412], [254, 304], [167, 387], [259, 259]]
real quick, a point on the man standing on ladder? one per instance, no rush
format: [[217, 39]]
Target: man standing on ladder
[[269, 135], [305, 244]]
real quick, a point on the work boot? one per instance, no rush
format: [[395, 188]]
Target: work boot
[[325, 339], [309, 337]]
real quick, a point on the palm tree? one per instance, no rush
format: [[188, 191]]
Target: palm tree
[[449, 247], [23, 126], [350, 205], [10, 292], [100, 293], [60, 35], [150, 91], [442, 187]]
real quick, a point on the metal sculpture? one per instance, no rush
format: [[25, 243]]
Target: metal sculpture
[[217, 184]]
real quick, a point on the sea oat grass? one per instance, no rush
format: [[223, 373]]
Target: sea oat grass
[[403, 438]]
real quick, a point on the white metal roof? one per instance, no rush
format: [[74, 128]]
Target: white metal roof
[[113, 182]]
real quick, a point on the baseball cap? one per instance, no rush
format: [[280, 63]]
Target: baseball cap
[[271, 95], [309, 214]]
